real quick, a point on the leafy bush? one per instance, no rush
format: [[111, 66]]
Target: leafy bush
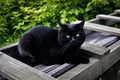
[[17, 16]]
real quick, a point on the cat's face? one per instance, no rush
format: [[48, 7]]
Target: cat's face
[[71, 33]]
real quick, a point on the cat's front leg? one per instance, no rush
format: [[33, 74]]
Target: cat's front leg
[[83, 56]]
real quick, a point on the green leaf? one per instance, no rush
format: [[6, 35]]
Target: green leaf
[[86, 17]]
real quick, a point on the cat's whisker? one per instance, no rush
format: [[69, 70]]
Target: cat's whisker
[[62, 50]]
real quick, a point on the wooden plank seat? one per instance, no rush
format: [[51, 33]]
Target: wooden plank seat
[[96, 38], [57, 70], [99, 44]]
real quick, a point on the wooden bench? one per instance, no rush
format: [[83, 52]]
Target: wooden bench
[[103, 57]]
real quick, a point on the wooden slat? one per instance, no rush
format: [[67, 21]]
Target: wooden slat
[[102, 28], [83, 71], [107, 41], [101, 39], [9, 46], [13, 69], [114, 56], [117, 11], [114, 46], [39, 67], [50, 68], [60, 70], [98, 50], [108, 17]]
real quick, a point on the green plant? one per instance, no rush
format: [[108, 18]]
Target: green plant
[[18, 16]]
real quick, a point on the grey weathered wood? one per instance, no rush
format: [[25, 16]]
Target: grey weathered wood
[[103, 22], [105, 41], [90, 72], [55, 70], [114, 55], [98, 50], [39, 67], [108, 17], [9, 46], [114, 46], [61, 69], [117, 11], [83, 71], [102, 28], [13, 69], [50, 68], [101, 39]]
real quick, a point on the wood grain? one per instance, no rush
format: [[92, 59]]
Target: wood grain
[[117, 11], [13, 69], [108, 17], [102, 28]]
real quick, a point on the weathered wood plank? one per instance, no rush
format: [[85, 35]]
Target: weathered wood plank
[[55, 70], [83, 71], [108, 17], [50, 68], [117, 11], [114, 46], [103, 22], [102, 28], [101, 39], [13, 69], [90, 73], [98, 50], [110, 59], [60, 70], [9, 46], [39, 67]]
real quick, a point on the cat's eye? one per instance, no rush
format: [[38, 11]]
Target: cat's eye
[[77, 35], [67, 36]]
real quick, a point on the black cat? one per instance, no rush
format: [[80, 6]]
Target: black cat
[[48, 46]]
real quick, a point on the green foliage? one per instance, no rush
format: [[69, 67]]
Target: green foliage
[[96, 7], [116, 25], [17, 16]]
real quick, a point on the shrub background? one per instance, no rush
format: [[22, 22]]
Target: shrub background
[[17, 16]]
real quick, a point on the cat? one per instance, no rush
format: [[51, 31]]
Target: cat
[[47, 46]]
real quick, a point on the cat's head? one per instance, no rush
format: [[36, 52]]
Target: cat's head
[[71, 33]]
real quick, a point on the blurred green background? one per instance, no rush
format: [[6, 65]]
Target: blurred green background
[[18, 16]]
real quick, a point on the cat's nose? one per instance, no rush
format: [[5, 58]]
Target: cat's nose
[[73, 39]]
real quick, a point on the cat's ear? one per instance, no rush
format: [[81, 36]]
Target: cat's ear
[[80, 25], [62, 26]]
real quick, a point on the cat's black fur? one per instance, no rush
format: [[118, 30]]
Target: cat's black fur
[[50, 46]]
